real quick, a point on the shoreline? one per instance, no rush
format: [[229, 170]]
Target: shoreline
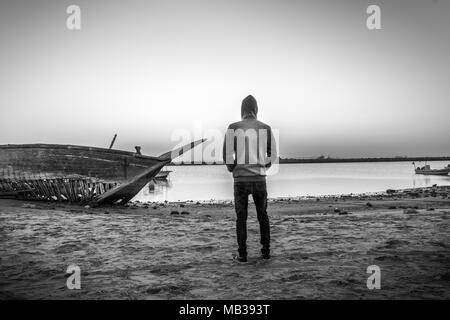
[[330, 160], [389, 193], [321, 249]]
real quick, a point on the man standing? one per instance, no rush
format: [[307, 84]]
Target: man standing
[[248, 150]]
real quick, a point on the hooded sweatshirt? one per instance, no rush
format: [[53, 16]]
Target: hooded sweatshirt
[[249, 146]]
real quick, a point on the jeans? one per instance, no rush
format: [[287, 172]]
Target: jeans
[[258, 191]]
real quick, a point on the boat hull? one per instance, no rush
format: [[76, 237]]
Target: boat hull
[[434, 172]]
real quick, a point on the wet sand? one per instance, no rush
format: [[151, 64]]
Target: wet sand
[[321, 249]]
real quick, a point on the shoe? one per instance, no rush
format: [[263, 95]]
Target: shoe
[[265, 256], [241, 258]]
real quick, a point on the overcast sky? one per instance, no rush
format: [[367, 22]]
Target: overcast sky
[[143, 69]]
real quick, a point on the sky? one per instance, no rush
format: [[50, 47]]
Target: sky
[[148, 69]]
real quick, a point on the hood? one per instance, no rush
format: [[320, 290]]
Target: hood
[[249, 107]]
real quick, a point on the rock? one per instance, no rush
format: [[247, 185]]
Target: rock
[[343, 213], [337, 210], [185, 212], [174, 212], [182, 205], [155, 207], [87, 207], [395, 243], [106, 212], [153, 290], [430, 209], [369, 204], [392, 207], [446, 276], [29, 206], [390, 191]]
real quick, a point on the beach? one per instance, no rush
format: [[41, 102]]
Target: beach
[[321, 248]]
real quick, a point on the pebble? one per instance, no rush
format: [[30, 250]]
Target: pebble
[[29, 206]]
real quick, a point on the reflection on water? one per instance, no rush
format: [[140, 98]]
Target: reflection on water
[[421, 181], [156, 188], [215, 182]]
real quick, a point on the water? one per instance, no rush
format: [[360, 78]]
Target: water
[[215, 182]]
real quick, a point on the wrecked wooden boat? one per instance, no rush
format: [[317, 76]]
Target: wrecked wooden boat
[[78, 173]]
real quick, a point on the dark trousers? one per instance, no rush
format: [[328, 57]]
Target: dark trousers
[[258, 191]]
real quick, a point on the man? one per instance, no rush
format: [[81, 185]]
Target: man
[[248, 150]]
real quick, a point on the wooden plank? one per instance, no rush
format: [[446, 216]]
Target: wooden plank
[[15, 193]]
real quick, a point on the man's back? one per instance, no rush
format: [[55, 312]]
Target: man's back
[[249, 146], [252, 146]]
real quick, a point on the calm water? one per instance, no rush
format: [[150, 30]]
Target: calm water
[[214, 182]]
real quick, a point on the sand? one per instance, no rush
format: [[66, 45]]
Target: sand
[[321, 249]]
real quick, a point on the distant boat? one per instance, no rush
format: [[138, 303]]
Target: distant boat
[[426, 170], [163, 175], [78, 173]]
